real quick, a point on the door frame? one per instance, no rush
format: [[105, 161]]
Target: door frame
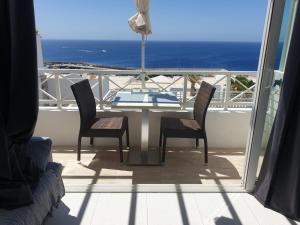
[[265, 76]]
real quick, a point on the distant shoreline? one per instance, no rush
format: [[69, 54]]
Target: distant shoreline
[[81, 65]]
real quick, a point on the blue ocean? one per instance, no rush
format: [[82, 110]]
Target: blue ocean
[[159, 54]]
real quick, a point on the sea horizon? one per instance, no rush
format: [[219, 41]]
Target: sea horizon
[[227, 55], [149, 40]]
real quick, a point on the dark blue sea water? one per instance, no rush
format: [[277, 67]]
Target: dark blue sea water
[[159, 54]]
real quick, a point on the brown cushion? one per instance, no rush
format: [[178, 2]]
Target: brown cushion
[[106, 127], [115, 123], [180, 127]]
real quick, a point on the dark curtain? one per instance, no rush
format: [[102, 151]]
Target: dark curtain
[[278, 185], [18, 101]]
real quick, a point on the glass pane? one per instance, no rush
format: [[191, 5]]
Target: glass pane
[[282, 51]]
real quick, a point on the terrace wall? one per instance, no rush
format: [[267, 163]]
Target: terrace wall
[[226, 129]]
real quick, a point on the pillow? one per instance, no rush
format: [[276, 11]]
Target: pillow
[[39, 151]]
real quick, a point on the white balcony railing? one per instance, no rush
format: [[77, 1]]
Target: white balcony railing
[[54, 85]]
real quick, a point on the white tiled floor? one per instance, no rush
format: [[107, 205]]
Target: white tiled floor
[[164, 209]]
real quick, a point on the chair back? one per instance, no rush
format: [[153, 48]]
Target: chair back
[[203, 98], [86, 103]]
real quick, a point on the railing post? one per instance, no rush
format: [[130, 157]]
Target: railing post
[[227, 92], [184, 94], [100, 85], [58, 91]]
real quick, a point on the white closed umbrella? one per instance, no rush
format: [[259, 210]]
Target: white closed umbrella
[[140, 23]]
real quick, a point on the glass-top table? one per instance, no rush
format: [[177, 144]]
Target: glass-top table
[[145, 100]]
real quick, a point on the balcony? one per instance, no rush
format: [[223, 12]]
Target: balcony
[[227, 124]]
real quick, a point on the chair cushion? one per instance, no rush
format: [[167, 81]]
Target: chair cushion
[[106, 127], [115, 123], [180, 127]]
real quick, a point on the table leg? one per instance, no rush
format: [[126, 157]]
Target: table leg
[[144, 156], [145, 135]]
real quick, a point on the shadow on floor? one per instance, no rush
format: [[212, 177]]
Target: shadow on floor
[[181, 167]]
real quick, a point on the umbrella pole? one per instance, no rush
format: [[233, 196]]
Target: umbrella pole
[[143, 53], [143, 61]]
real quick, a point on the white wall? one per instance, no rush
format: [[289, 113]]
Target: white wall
[[225, 129]]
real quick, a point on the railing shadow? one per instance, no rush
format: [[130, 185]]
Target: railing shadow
[[109, 160], [182, 207], [224, 220], [132, 211], [181, 167]]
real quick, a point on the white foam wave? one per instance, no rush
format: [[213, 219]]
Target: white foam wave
[[87, 51]]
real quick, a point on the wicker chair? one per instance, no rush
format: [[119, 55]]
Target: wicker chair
[[90, 125], [189, 128]]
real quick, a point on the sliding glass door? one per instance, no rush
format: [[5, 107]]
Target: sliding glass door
[[280, 62], [278, 29]]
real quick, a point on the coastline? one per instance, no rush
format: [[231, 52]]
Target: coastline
[[81, 65]]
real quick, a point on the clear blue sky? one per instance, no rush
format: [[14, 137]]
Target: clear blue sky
[[196, 20]]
